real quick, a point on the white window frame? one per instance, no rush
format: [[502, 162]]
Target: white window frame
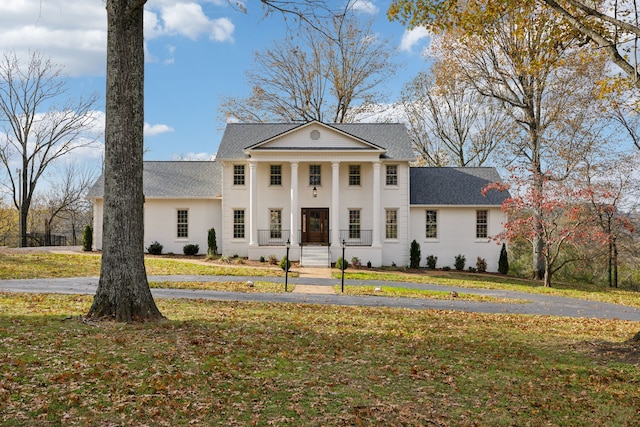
[[277, 176], [182, 223], [393, 225], [482, 224], [356, 175], [433, 223], [244, 224], [239, 177], [388, 175]]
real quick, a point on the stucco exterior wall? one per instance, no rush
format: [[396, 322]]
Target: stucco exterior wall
[[160, 218], [457, 235]]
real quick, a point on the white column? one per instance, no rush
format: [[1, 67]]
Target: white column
[[293, 221], [335, 204], [253, 204], [376, 204]]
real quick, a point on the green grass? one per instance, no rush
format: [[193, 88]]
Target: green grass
[[242, 364], [401, 292], [51, 265], [489, 281], [256, 286]]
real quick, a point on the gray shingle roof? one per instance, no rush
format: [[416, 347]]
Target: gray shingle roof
[[391, 136], [175, 180], [454, 186]]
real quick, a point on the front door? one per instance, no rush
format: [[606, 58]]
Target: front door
[[315, 226]]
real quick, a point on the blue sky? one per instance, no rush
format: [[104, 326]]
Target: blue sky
[[197, 53]]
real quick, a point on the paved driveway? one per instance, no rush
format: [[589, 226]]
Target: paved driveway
[[536, 304]]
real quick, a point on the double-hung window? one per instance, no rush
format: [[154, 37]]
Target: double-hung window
[[238, 224], [238, 174], [354, 175], [482, 225], [392, 175], [314, 175], [354, 223], [276, 175], [275, 223], [431, 225], [392, 224], [182, 224]]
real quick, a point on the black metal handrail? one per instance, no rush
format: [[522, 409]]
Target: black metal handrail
[[356, 237], [273, 237]]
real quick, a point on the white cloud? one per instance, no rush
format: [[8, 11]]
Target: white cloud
[[194, 157], [410, 38], [189, 20], [153, 130], [74, 33], [365, 6]]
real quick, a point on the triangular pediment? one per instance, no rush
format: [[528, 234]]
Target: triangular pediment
[[314, 136]]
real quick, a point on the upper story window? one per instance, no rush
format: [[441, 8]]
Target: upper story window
[[238, 174], [276, 175], [314, 175], [431, 226], [482, 225], [354, 175], [182, 224], [392, 175]]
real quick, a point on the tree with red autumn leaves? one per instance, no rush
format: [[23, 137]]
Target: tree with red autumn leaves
[[565, 216]]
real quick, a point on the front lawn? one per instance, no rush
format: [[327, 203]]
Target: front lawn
[[242, 364]]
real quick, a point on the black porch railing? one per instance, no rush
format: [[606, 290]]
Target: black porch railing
[[273, 237], [356, 237], [280, 237]]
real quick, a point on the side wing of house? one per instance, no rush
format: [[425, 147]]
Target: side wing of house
[[451, 217], [182, 202]]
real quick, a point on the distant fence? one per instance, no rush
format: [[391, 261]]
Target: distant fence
[[34, 239]]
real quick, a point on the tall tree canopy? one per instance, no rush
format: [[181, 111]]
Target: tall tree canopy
[[450, 122], [612, 28], [39, 125], [528, 61], [331, 72]]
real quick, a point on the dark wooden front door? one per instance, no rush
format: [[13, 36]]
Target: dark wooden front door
[[315, 226]]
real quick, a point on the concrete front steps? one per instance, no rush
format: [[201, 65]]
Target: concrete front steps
[[315, 256]]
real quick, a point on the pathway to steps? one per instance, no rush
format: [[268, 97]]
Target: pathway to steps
[[313, 273]]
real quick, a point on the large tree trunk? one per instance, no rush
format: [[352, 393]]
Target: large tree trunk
[[123, 291]]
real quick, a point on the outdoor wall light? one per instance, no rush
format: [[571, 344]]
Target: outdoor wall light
[[315, 191]]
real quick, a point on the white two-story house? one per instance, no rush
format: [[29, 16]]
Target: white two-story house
[[316, 188]]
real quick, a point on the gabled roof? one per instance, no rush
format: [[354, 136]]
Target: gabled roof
[[175, 180], [393, 137], [454, 186]]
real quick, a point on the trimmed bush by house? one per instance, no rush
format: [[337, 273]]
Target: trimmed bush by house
[[285, 264], [340, 262], [414, 255], [155, 248], [503, 261], [461, 260], [212, 249], [191, 249], [431, 262], [87, 238], [481, 265]]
